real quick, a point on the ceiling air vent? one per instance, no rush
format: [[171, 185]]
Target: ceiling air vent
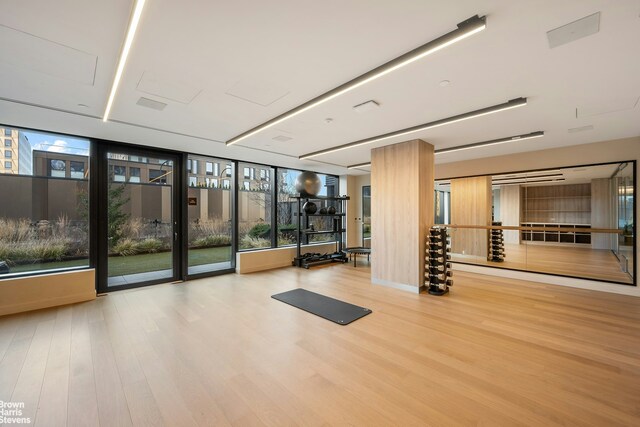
[[580, 129], [282, 138], [150, 103], [575, 30]]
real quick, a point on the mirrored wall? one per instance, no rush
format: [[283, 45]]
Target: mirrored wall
[[575, 221]]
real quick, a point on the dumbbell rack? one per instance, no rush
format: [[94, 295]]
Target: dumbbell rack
[[438, 271], [496, 245]]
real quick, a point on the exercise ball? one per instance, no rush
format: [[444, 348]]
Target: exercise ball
[[308, 184], [309, 208], [323, 211], [331, 210]]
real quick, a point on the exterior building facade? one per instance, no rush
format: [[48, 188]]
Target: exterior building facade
[[15, 152]]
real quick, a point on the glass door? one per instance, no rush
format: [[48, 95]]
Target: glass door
[[139, 217], [210, 215]]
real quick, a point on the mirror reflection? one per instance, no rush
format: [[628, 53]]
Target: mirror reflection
[[573, 221]]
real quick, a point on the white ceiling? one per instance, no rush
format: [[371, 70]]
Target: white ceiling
[[226, 67]]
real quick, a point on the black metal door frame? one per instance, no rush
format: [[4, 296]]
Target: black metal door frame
[[99, 210]]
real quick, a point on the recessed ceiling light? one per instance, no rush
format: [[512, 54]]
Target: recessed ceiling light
[[128, 41], [467, 28], [445, 83], [366, 106], [514, 103]]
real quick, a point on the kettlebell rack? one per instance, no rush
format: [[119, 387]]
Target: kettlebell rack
[[337, 231]]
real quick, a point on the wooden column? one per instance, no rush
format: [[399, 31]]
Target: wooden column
[[510, 212], [471, 205], [601, 213], [401, 212]]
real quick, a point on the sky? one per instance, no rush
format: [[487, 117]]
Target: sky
[[57, 143]]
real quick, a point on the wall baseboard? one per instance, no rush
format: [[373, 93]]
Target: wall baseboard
[[400, 286], [592, 285], [268, 259]]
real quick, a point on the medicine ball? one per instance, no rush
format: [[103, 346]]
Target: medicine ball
[[309, 208]]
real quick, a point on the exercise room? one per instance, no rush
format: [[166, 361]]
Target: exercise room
[[285, 213]]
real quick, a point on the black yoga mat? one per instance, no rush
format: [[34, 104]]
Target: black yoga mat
[[335, 310]]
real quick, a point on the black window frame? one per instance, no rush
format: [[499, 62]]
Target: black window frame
[[228, 179]]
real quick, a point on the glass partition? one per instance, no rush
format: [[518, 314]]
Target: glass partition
[[571, 221], [44, 208]]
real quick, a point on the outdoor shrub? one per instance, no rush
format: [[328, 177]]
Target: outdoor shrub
[[33, 251], [261, 230], [287, 227], [15, 230], [125, 247], [213, 240], [248, 242], [213, 226], [149, 246], [133, 227], [284, 240]]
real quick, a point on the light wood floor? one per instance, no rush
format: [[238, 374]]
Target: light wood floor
[[221, 352], [588, 263]]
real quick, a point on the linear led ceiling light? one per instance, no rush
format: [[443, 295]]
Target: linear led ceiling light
[[528, 179], [360, 165], [492, 142], [531, 135], [131, 32], [465, 29], [514, 103]]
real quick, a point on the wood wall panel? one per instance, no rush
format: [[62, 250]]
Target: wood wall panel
[[46, 290], [401, 212], [601, 213], [568, 204], [510, 211], [470, 205]]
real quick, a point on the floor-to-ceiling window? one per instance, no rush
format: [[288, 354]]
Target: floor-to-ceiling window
[[255, 206], [287, 214], [155, 216], [210, 214], [140, 218], [44, 201], [287, 207]]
